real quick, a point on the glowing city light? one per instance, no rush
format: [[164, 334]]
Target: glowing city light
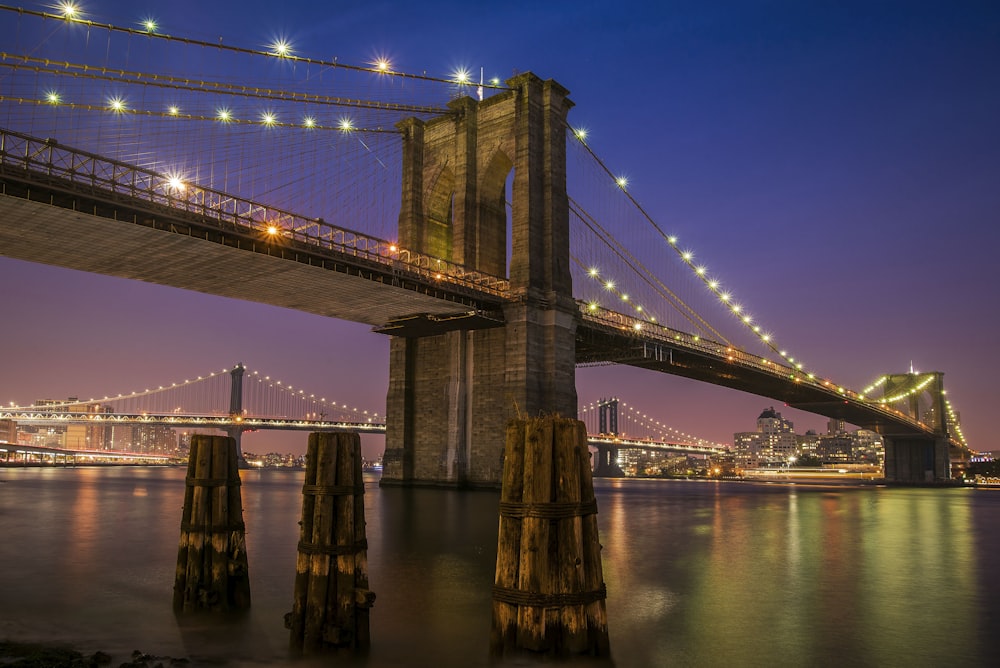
[[52, 97], [345, 125], [309, 122], [268, 118], [461, 76], [622, 182], [224, 115], [173, 110], [116, 104], [149, 24]]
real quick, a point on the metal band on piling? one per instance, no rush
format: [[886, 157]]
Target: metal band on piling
[[548, 511], [551, 600], [333, 550]]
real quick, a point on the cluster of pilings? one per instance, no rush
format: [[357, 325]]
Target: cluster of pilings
[[548, 593]]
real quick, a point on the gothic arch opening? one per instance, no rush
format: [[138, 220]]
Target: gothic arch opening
[[494, 217], [440, 215]]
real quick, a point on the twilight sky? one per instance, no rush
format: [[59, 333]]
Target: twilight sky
[[839, 162]]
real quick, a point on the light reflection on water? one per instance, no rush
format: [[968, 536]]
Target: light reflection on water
[[698, 573]]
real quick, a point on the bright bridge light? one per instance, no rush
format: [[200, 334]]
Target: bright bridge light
[[149, 24], [281, 48], [461, 76], [68, 9]]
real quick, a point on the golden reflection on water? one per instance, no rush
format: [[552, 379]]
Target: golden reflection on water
[[798, 576]]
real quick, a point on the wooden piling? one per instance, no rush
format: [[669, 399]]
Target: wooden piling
[[549, 593], [212, 571], [331, 599]]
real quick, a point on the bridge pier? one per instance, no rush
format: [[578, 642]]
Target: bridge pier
[[451, 393], [607, 463], [917, 461]]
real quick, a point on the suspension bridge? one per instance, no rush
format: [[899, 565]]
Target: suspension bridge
[[237, 400], [468, 221]]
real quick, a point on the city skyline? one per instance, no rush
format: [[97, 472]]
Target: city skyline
[[837, 164]]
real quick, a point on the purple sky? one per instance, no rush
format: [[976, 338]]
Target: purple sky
[[839, 162]]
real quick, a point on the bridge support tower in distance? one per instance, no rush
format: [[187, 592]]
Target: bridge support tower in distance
[[236, 409], [451, 393], [607, 455], [917, 459]]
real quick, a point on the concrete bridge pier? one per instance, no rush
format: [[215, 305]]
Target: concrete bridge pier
[[914, 460]]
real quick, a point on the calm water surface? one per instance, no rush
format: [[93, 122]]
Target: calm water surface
[[698, 573]]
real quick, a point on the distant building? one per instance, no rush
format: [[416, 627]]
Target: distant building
[[8, 431], [770, 446]]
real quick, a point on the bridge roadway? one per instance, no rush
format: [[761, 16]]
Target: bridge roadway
[[43, 417], [78, 210], [224, 422]]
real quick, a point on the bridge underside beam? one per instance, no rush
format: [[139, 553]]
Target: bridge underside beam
[[599, 344], [157, 245]]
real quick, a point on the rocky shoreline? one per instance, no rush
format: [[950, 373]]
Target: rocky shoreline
[[36, 655]]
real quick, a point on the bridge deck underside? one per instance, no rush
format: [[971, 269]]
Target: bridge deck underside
[[601, 344], [136, 241]]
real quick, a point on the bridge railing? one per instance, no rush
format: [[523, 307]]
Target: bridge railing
[[646, 331], [48, 157]]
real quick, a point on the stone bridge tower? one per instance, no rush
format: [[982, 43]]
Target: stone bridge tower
[[451, 393]]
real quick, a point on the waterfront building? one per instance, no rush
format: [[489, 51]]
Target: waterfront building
[[8, 431], [770, 446]]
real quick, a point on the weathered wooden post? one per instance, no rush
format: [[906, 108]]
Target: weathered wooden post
[[548, 594], [212, 571], [332, 599]]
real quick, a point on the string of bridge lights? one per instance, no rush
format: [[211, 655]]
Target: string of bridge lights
[[644, 421], [133, 395], [301, 395], [263, 379], [73, 12], [687, 256], [953, 421]]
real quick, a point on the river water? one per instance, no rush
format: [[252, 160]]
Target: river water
[[698, 573]]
